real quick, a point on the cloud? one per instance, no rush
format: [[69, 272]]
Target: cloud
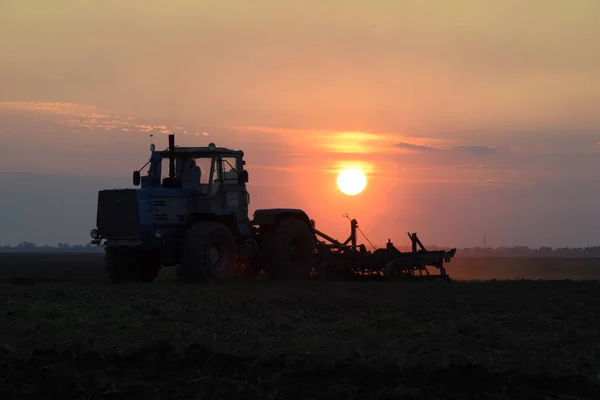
[[491, 167], [87, 117], [416, 147], [49, 107], [474, 150], [344, 143]]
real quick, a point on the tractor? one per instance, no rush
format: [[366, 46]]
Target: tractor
[[191, 212]]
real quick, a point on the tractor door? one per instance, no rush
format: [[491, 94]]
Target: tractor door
[[235, 195]]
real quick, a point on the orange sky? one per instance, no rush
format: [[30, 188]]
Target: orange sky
[[467, 116]]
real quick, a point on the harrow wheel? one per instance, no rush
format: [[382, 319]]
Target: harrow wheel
[[394, 271], [209, 252], [287, 250], [322, 264]]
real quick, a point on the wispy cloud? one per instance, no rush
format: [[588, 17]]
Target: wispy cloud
[[88, 117], [49, 107], [506, 167], [347, 143], [473, 150], [416, 147]]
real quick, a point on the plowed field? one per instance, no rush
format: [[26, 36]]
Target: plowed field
[[67, 333]]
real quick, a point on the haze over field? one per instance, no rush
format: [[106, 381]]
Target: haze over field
[[467, 116]]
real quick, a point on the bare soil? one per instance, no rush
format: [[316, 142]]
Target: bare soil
[[66, 332]]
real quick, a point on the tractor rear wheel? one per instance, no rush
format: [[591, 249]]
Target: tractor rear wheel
[[288, 249], [209, 252]]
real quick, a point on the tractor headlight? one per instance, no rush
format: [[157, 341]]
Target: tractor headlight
[[95, 234], [158, 234], [212, 146]]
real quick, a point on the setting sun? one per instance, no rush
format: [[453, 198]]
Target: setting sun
[[351, 181]]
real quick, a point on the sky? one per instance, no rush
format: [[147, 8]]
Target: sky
[[467, 116]]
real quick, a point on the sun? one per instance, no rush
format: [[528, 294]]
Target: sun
[[351, 181]]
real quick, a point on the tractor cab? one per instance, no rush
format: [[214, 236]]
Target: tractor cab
[[204, 170], [187, 183]]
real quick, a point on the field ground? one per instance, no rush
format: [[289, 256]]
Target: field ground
[[66, 332], [73, 266]]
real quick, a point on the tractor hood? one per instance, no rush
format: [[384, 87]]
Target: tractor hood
[[118, 214]]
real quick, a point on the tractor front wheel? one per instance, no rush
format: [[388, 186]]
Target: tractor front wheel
[[148, 266], [209, 252], [118, 265], [288, 249]]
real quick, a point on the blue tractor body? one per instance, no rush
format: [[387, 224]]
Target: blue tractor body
[[196, 218]]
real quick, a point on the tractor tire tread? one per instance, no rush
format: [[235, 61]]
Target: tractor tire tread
[[193, 266], [274, 246]]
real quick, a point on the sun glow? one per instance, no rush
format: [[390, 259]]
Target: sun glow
[[351, 181]]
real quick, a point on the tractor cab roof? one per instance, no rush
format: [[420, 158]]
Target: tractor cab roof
[[201, 152]]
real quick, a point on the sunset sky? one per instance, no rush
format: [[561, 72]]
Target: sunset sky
[[467, 116]]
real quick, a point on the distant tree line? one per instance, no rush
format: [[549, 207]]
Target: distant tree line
[[518, 251], [29, 247]]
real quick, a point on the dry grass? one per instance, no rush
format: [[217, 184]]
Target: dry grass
[[87, 338]]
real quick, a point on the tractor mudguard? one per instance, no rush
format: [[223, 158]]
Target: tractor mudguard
[[272, 215], [211, 215], [225, 216], [239, 228]]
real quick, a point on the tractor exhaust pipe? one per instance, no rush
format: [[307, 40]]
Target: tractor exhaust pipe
[[171, 157]]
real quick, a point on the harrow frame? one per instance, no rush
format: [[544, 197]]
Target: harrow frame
[[348, 259]]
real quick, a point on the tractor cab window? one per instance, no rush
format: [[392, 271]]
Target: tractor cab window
[[226, 175], [164, 169], [194, 172], [229, 172]]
